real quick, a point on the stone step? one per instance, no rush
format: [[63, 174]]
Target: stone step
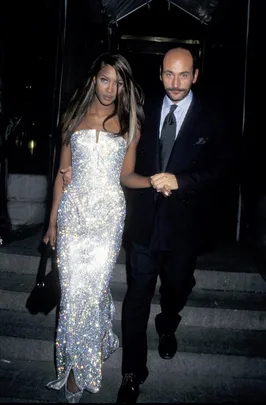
[[186, 378], [222, 352], [205, 279], [31, 337], [227, 255], [192, 316], [199, 297], [231, 259]]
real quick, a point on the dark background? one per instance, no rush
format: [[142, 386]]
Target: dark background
[[39, 71]]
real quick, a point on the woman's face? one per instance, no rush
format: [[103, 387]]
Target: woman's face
[[108, 84]]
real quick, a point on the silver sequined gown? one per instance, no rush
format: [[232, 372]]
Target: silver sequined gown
[[90, 224]]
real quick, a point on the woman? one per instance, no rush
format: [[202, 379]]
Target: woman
[[100, 135]]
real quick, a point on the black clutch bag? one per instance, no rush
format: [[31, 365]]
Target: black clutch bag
[[46, 294]]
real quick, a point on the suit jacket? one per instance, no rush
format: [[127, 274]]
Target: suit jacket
[[200, 160]]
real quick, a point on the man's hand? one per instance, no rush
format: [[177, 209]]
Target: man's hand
[[66, 175], [164, 183]]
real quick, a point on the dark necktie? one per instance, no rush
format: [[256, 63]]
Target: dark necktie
[[168, 134]]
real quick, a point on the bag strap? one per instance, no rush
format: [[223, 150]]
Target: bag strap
[[43, 264]]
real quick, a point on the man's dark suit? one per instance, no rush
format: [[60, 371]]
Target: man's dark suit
[[175, 228]]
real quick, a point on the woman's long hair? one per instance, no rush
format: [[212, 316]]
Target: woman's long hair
[[128, 104]]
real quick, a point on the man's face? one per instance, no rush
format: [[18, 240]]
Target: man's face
[[177, 74], [108, 85]]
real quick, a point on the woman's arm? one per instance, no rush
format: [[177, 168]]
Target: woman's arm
[[65, 160], [128, 177]]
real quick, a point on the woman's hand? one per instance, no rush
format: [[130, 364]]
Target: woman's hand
[[50, 236], [66, 176]]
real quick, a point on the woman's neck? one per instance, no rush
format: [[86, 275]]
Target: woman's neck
[[96, 108]]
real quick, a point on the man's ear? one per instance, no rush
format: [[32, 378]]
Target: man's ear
[[161, 74], [196, 74]]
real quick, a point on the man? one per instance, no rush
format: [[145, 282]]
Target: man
[[185, 151], [184, 142]]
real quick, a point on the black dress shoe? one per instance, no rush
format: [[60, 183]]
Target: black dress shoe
[[167, 346], [129, 390]]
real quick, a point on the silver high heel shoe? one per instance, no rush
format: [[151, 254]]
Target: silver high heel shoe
[[72, 397]]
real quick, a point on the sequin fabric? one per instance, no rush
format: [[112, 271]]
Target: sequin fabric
[[89, 230]]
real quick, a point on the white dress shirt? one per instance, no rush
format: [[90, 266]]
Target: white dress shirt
[[180, 111]]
